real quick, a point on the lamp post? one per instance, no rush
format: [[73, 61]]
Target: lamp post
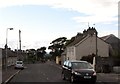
[[6, 44]]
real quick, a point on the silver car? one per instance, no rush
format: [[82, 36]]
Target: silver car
[[19, 65]]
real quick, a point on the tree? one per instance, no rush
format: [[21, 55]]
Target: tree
[[69, 41], [88, 58], [57, 46], [31, 55], [41, 53]]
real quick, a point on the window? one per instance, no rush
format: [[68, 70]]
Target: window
[[66, 63], [69, 65], [81, 65]]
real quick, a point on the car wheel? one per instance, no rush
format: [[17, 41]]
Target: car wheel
[[72, 79], [63, 76], [93, 82]]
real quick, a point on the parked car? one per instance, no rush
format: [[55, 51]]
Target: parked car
[[19, 65], [78, 71]]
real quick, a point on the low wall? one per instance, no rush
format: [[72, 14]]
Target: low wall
[[11, 61], [116, 69], [0, 64]]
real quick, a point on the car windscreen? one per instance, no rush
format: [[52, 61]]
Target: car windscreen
[[19, 63], [81, 65]]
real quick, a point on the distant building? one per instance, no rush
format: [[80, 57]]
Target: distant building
[[114, 42], [0, 58]]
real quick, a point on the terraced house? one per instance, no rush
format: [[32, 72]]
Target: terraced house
[[88, 43]]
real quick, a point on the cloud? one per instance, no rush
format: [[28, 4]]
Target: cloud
[[96, 10], [95, 19], [104, 33]]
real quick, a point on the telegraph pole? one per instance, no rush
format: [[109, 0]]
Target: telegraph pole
[[20, 39], [96, 52]]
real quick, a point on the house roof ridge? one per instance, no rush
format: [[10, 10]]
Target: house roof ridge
[[83, 39], [80, 36], [76, 40], [107, 36]]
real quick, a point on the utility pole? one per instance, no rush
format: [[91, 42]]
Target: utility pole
[[19, 55], [20, 39], [96, 52]]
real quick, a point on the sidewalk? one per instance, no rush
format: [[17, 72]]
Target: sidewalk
[[8, 74], [108, 77]]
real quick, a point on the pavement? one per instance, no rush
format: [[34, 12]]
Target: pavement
[[110, 78], [8, 74]]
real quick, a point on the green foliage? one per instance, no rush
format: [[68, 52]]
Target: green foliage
[[34, 55], [60, 40], [31, 55], [57, 46], [41, 53], [88, 58], [69, 41]]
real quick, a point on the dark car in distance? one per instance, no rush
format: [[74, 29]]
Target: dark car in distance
[[78, 71]]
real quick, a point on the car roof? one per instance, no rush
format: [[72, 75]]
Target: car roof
[[76, 61], [19, 61]]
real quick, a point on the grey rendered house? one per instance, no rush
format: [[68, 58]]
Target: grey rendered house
[[84, 44]]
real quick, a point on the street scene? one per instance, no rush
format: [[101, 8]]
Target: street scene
[[59, 41], [49, 72]]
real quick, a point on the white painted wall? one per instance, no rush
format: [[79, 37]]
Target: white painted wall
[[0, 58], [71, 53], [88, 46]]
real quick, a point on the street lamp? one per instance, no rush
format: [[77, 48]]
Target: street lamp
[[6, 43]]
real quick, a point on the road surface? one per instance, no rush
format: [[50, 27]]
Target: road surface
[[44, 72]]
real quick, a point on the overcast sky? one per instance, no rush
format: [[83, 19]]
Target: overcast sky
[[42, 21]]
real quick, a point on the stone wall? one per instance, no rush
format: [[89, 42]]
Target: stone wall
[[0, 58], [116, 69], [104, 64]]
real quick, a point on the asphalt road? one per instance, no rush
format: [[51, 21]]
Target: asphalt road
[[41, 72]]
